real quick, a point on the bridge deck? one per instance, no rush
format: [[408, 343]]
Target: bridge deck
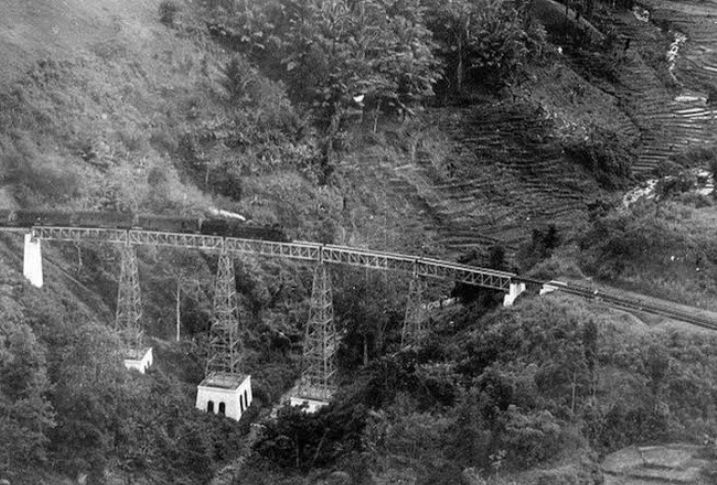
[[309, 251], [300, 250]]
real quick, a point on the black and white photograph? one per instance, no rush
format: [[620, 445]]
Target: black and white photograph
[[358, 242]]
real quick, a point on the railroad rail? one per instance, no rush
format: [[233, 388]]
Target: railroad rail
[[627, 303]]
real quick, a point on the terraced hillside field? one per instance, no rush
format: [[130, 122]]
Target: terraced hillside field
[[502, 172], [505, 174], [672, 113]]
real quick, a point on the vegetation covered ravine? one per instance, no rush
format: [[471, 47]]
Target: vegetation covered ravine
[[494, 133]]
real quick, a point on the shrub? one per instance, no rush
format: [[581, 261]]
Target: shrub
[[674, 185], [703, 156], [667, 168], [606, 155], [37, 178], [622, 426], [168, 10], [301, 441], [599, 65], [530, 437], [26, 413]]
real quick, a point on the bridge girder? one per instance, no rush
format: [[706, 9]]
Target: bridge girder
[[426, 267]]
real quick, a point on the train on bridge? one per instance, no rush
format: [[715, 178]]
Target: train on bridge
[[211, 225]]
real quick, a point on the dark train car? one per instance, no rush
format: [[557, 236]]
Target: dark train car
[[27, 218], [243, 230], [214, 227], [254, 231], [276, 233], [169, 223], [106, 220], [249, 231]]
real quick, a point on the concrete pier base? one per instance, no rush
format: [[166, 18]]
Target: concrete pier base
[[225, 394], [312, 405], [140, 360], [32, 261], [515, 290]]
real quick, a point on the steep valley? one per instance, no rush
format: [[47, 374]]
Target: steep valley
[[120, 106]]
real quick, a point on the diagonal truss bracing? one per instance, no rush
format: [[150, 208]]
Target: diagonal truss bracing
[[413, 325], [305, 251], [318, 360], [426, 267], [129, 302], [224, 341], [92, 234]]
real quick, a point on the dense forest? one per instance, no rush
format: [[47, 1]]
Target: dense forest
[[298, 113]]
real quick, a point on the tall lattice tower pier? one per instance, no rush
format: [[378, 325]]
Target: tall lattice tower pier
[[225, 389], [414, 330], [128, 319], [317, 384]]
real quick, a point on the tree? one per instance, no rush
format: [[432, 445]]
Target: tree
[[26, 415], [336, 49], [496, 258], [88, 374], [481, 41], [366, 307], [451, 23], [657, 364], [332, 53], [301, 441], [590, 346]]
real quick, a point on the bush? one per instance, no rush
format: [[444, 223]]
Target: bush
[[674, 185], [37, 178], [27, 416], [599, 64], [623, 426], [541, 246], [530, 437], [168, 10], [702, 157], [499, 50], [604, 154], [300, 441]]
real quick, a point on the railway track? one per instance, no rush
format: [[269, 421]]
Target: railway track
[[626, 303], [383, 260]]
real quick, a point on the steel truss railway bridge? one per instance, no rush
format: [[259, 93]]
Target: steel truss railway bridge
[[320, 341], [317, 379]]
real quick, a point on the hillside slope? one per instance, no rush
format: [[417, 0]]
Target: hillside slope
[[68, 29], [104, 107]]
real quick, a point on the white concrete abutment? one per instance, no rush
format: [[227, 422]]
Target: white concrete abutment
[[32, 261], [514, 291]]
